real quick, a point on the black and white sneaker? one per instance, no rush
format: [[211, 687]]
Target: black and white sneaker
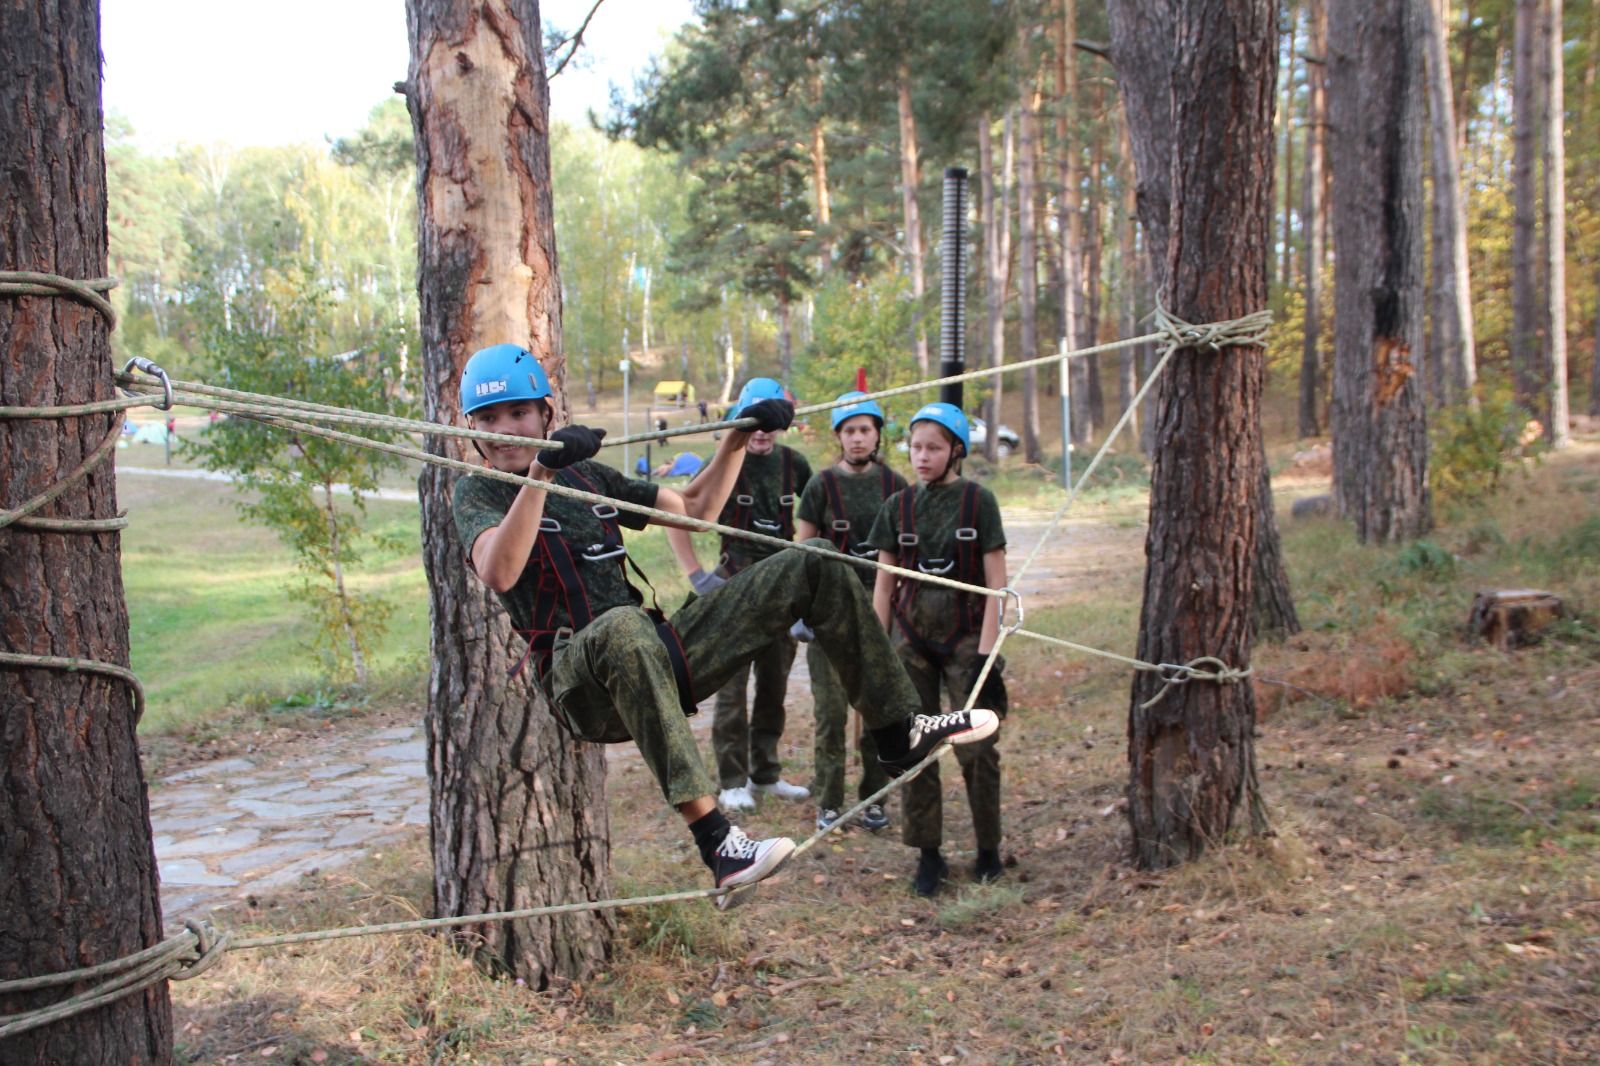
[[874, 817], [740, 862], [826, 817], [928, 731]]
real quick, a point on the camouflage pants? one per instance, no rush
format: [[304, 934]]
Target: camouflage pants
[[833, 713], [745, 733], [612, 679], [980, 762]]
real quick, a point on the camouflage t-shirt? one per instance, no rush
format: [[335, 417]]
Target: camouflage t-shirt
[[481, 503], [761, 479], [861, 494], [937, 512]]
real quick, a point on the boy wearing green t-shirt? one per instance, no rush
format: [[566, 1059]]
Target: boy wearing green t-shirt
[[840, 503], [611, 670], [950, 526]]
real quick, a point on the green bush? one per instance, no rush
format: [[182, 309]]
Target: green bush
[[1472, 449]]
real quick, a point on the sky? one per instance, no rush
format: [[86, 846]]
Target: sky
[[296, 71]]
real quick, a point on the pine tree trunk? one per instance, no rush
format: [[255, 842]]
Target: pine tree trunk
[[1191, 754], [1069, 218], [1286, 116], [519, 813], [1453, 359], [78, 876], [1555, 410], [1027, 250], [1311, 223], [1094, 248], [1129, 269], [1526, 354], [910, 181], [1275, 615], [1380, 440], [995, 224]]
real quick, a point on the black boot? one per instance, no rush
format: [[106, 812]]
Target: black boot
[[988, 868], [931, 873]]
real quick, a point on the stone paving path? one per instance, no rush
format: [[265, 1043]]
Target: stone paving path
[[232, 829]]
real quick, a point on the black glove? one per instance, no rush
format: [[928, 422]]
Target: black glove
[[992, 696], [771, 416], [577, 443]]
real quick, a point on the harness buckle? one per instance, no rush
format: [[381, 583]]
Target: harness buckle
[[931, 566], [841, 525], [745, 500], [966, 533], [604, 511], [786, 500], [909, 540], [549, 525], [599, 553]]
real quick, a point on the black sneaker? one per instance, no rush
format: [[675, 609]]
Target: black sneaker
[[874, 818], [928, 731], [988, 868], [932, 871], [740, 862]]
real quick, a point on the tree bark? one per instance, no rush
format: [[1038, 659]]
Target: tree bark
[[1555, 409], [1455, 366], [518, 809], [910, 181], [1311, 260], [1526, 355], [1027, 250], [78, 876], [1191, 753], [1286, 115], [1275, 615], [1380, 439]]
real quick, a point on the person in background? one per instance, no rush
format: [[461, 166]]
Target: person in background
[[841, 503]]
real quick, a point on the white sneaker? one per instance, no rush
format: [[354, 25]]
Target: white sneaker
[[783, 790], [736, 799]]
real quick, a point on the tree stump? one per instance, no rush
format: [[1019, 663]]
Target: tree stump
[[1514, 618]]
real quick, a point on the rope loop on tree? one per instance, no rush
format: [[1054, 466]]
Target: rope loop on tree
[[39, 283], [22, 661]]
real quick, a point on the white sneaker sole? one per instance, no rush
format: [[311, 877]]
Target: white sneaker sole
[[985, 723], [742, 885], [794, 794]]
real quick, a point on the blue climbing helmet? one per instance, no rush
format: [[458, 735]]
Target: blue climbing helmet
[[500, 373], [757, 389], [950, 417], [865, 407]]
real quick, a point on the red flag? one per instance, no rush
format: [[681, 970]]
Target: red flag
[[861, 379]]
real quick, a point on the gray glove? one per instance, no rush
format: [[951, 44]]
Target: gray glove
[[802, 632], [705, 582]]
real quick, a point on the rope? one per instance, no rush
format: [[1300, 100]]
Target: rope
[[37, 283], [74, 525], [25, 661], [103, 449]]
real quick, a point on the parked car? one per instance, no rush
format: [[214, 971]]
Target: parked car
[[1009, 441]]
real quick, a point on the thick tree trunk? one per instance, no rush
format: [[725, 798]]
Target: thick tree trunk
[[1380, 440], [1027, 250], [78, 877], [1275, 615], [1311, 223], [1455, 366], [1555, 413], [910, 181], [1526, 348], [1191, 753], [994, 281], [519, 811], [819, 173]]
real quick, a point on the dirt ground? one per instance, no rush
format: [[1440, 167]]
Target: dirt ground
[[1429, 892]]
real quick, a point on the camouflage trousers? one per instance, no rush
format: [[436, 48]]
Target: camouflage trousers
[[829, 757], [980, 763], [612, 680], [745, 732]]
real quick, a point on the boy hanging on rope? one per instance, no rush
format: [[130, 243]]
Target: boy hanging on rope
[[745, 733], [950, 526], [841, 502], [611, 670]]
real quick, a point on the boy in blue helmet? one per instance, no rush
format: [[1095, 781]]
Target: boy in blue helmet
[[951, 526], [746, 732], [840, 503], [613, 671]]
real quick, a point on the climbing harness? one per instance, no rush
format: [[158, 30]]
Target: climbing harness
[[960, 555]]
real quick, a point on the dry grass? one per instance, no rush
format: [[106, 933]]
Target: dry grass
[[1430, 893]]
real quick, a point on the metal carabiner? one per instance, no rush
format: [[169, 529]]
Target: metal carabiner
[[1011, 596], [762, 523], [139, 362], [597, 553], [929, 566]]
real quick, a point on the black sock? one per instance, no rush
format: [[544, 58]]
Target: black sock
[[709, 830], [893, 741], [931, 855]]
